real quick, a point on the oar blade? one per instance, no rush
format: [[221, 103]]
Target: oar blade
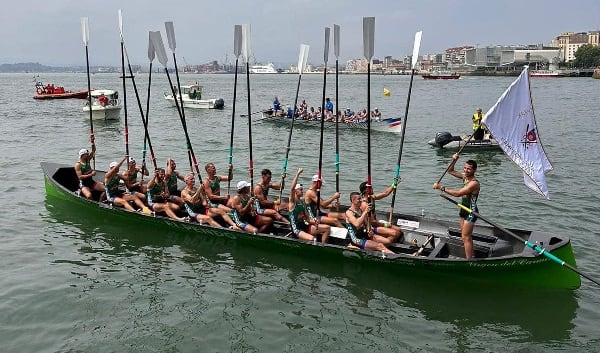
[[326, 49], [416, 47], [336, 40], [151, 51], [170, 35], [121, 23], [303, 58], [246, 42], [369, 37], [159, 47], [237, 40], [85, 30]]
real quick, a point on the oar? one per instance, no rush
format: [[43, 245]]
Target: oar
[[247, 52], [336, 50], [85, 31], [369, 49], [124, 86], [302, 58], [151, 55], [458, 152], [319, 172], [415, 57], [538, 248], [162, 58], [237, 48]]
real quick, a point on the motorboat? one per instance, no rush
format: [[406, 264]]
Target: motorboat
[[105, 105], [451, 142], [440, 75], [191, 95], [545, 73], [49, 91]]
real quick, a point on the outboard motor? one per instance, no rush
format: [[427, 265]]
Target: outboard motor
[[443, 138], [219, 103]]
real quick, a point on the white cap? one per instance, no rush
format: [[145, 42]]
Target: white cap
[[298, 186], [113, 164], [83, 151], [242, 184], [131, 160], [375, 108], [316, 178]]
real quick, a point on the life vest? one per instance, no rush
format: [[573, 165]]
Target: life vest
[[477, 120]]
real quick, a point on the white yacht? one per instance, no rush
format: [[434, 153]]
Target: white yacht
[[263, 69], [105, 105], [192, 98]]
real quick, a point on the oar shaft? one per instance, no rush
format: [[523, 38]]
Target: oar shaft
[[92, 138], [458, 152], [230, 159], [537, 248], [250, 161], [125, 98]]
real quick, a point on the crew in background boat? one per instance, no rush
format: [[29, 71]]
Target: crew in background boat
[[328, 105], [276, 105], [115, 195], [376, 115], [469, 193], [304, 225], [478, 130], [85, 173]]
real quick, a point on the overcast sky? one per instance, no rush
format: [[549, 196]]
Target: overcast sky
[[49, 32]]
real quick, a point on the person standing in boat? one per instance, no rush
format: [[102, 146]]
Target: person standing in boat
[[103, 100], [118, 197], [328, 105], [199, 208], [262, 204], [85, 174], [478, 130], [304, 225], [276, 106], [469, 194], [361, 235]]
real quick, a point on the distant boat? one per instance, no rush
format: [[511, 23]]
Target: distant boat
[[192, 98], [447, 141], [545, 73], [105, 105], [49, 91], [440, 75], [263, 69]]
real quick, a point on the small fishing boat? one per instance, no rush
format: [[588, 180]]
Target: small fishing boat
[[499, 258], [192, 98], [440, 75], [384, 125], [451, 142], [50, 91], [105, 105]]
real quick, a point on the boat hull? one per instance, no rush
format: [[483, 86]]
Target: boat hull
[[67, 95], [103, 113], [447, 141], [514, 265], [384, 125], [440, 77], [216, 103]]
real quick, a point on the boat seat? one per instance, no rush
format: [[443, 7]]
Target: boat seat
[[455, 232]]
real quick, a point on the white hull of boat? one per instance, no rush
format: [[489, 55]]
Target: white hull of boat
[[111, 112], [197, 103]]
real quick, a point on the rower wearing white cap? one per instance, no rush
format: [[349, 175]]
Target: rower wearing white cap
[[376, 115], [310, 198], [118, 197], [243, 213], [134, 185], [304, 225], [85, 174]]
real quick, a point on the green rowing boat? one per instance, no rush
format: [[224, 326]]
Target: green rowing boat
[[500, 259]]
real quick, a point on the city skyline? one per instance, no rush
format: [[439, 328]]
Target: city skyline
[[50, 33]]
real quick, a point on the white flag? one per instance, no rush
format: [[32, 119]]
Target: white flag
[[512, 123]]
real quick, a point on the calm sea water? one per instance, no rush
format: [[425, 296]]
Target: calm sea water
[[70, 282]]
